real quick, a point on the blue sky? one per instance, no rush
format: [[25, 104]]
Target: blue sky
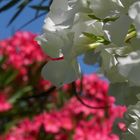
[[35, 27], [25, 16]]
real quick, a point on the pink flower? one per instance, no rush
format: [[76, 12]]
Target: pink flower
[[25, 130], [4, 104], [73, 119], [66, 119], [91, 130], [51, 122], [21, 51], [61, 136], [122, 126]]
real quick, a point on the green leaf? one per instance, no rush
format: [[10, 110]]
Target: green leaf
[[8, 76], [20, 93], [99, 39], [42, 8], [11, 77], [105, 20], [9, 5], [15, 16], [94, 17], [40, 4], [20, 9], [1, 1], [42, 134], [90, 35], [62, 98], [31, 20], [110, 19], [9, 125], [2, 59]]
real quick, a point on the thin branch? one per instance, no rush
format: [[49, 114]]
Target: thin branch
[[43, 94], [40, 4], [30, 21], [21, 7], [82, 102]]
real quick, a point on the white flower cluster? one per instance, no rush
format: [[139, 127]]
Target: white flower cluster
[[75, 27]]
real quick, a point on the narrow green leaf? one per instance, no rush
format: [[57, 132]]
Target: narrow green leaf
[[110, 19], [90, 35], [15, 16], [11, 77], [8, 76], [98, 39], [94, 17], [20, 93], [21, 7], [40, 4], [2, 59], [1, 1], [9, 5], [31, 20], [43, 8]]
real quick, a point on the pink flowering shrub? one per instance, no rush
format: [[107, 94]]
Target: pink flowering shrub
[[20, 52], [33, 109]]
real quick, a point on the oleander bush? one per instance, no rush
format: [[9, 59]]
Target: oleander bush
[[71, 105], [32, 108]]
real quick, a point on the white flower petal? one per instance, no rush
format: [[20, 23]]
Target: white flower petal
[[59, 4], [61, 72], [134, 13], [129, 67], [127, 3], [104, 8], [117, 30], [51, 44], [137, 24]]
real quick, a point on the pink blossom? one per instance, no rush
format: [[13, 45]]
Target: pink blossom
[[4, 104], [122, 126], [51, 122], [73, 119], [21, 51]]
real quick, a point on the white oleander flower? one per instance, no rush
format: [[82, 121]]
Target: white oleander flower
[[134, 13], [68, 23], [117, 31], [129, 67], [105, 8], [61, 72], [127, 14]]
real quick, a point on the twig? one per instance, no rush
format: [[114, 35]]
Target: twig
[[30, 21], [43, 94], [82, 102]]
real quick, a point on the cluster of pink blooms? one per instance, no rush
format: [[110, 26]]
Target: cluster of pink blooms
[[4, 105], [73, 120], [21, 51]]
